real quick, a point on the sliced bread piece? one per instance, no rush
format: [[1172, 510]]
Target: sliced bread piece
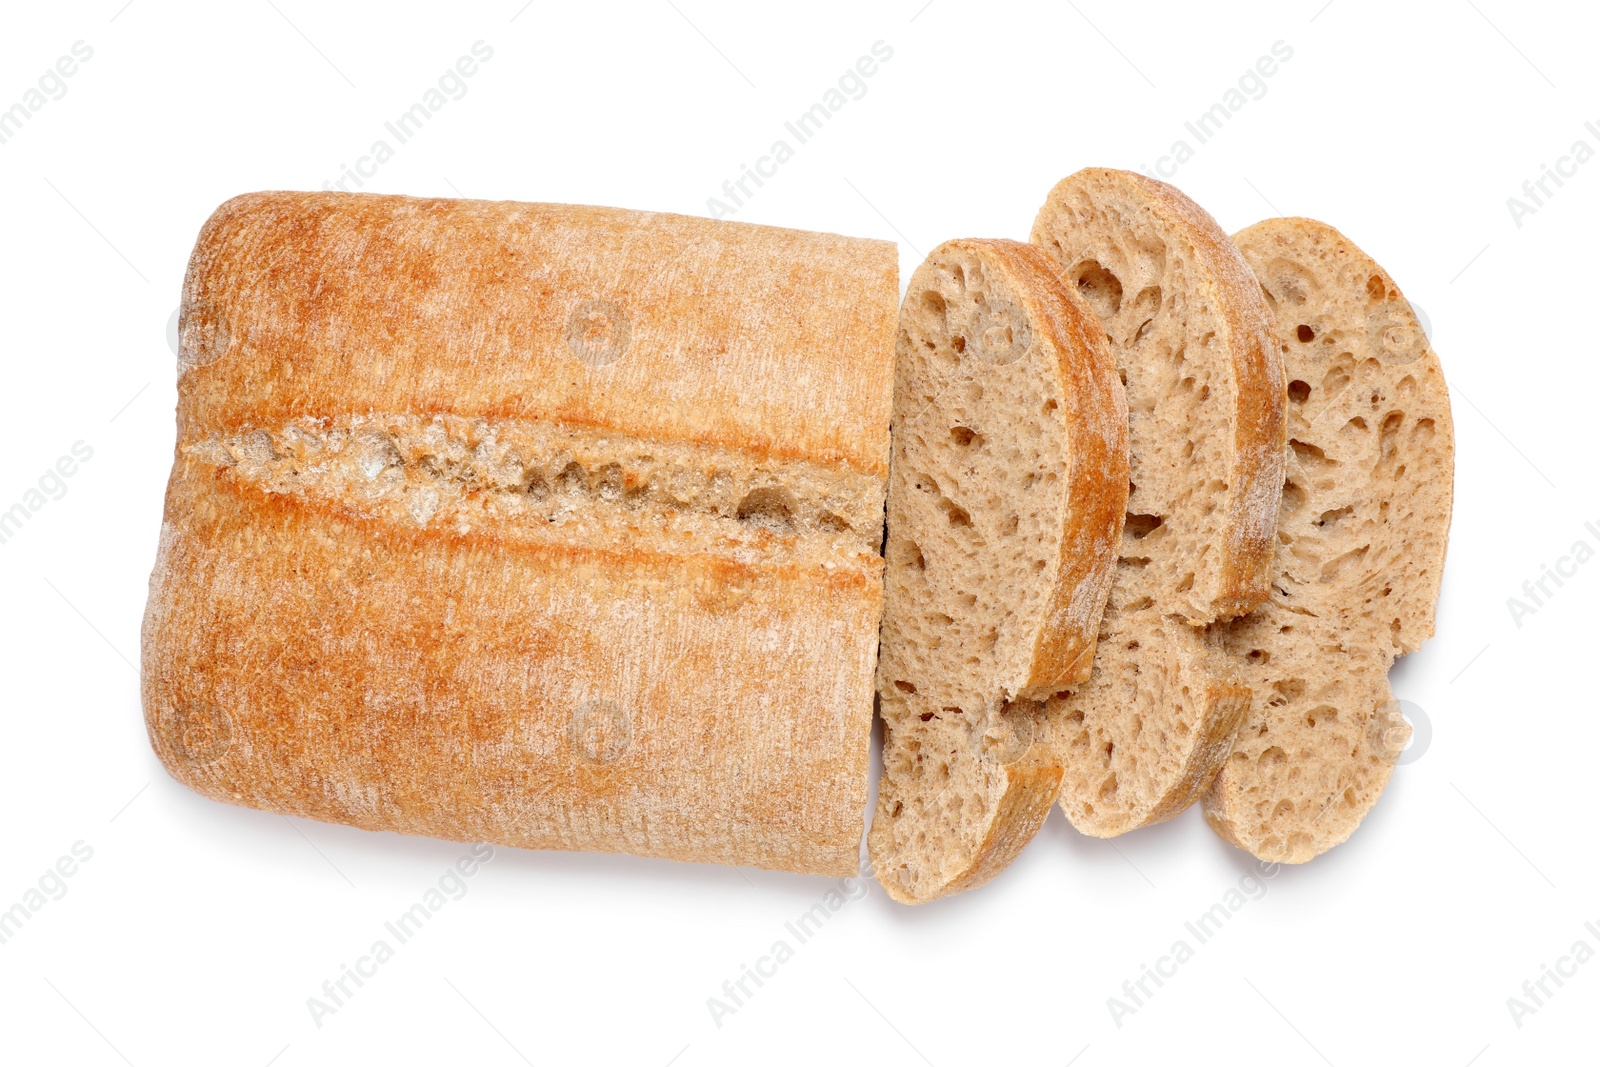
[[1007, 489], [1360, 548], [1189, 327]]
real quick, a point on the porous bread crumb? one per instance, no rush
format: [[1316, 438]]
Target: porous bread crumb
[[1141, 738], [1359, 554], [1007, 490]]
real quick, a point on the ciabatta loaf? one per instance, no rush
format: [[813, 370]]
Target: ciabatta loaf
[[1006, 496], [1359, 554], [549, 526], [1141, 739]]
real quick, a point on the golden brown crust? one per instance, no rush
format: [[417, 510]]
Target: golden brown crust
[[1260, 434], [1225, 708], [1032, 784], [309, 653], [730, 334], [1097, 427]]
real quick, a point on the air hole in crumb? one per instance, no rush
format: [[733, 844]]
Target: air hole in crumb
[[1100, 289], [573, 476], [958, 342], [905, 687], [964, 437], [926, 716], [770, 506], [1139, 526], [1299, 391], [1309, 455], [610, 481], [1305, 333], [1317, 716]]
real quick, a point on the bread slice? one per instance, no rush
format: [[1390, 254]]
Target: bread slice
[[543, 525], [1187, 323], [1007, 489], [1359, 554]]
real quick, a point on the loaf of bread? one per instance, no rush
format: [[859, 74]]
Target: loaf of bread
[[550, 526], [1359, 553], [1141, 739], [1006, 495]]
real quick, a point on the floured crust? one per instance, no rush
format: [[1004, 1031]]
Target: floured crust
[[549, 526], [1360, 548], [1142, 737], [1097, 427], [657, 325], [1013, 527]]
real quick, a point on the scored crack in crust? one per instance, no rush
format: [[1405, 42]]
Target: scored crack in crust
[[1141, 739], [1359, 552], [1008, 485], [544, 482]]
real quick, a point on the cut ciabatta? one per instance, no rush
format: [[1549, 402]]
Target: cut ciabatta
[[1007, 488], [1141, 739], [543, 525], [1360, 548]]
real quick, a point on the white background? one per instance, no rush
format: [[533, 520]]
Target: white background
[[196, 932]]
